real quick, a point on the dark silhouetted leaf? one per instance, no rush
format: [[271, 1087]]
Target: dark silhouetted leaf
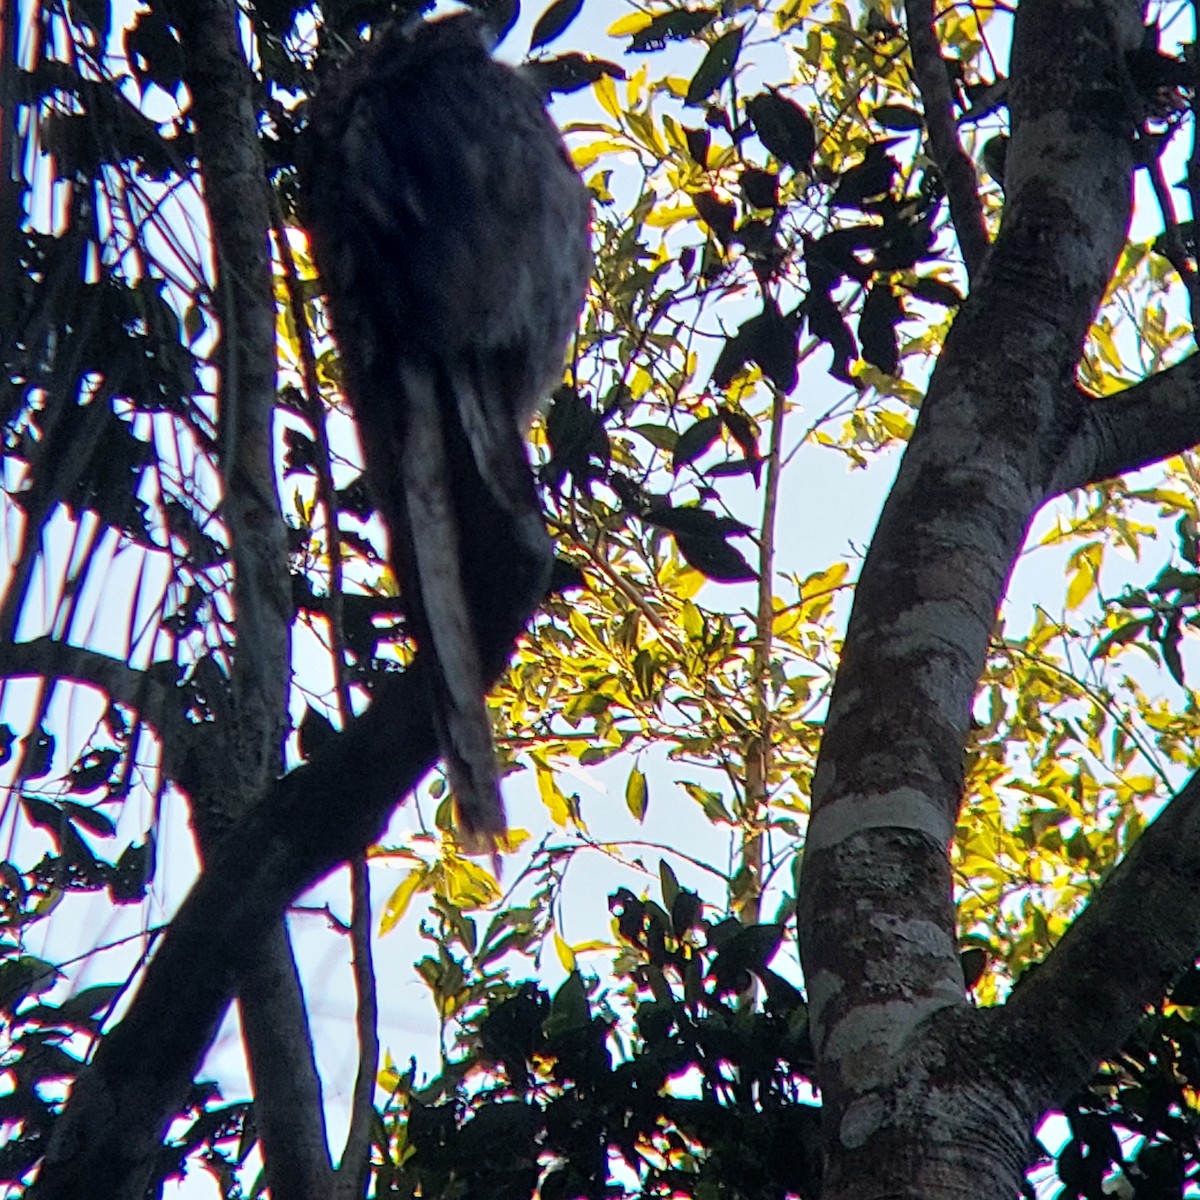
[[675, 25], [697, 143], [826, 322], [131, 875], [1169, 644], [995, 156], [578, 441], [741, 430], [719, 215], [898, 116], [694, 441], [714, 558], [935, 291], [299, 452], [768, 339], [686, 910], [39, 754], [716, 67], [881, 312], [868, 179], [553, 22], [784, 128], [24, 975], [93, 770], [761, 188], [90, 818], [568, 73], [750, 949]]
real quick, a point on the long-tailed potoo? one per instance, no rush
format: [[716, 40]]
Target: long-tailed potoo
[[451, 233]]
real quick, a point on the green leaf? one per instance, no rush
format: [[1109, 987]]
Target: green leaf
[[669, 883], [637, 794], [716, 67], [568, 1008], [554, 21], [694, 441], [898, 116]]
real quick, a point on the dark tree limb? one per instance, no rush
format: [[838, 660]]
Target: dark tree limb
[[352, 1173], [106, 1141], [1138, 934], [283, 1070], [953, 163], [151, 692], [244, 749], [1146, 423]]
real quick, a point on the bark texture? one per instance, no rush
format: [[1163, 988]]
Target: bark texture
[[923, 1095], [232, 766]]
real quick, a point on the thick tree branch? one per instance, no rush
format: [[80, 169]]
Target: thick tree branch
[[106, 1141], [1138, 934], [283, 1070], [353, 1170], [152, 692], [243, 751], [1142, 425], [876, 885], [954, 166]]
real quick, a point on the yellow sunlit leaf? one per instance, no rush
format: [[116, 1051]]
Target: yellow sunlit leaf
[[586, 155], [552, 796], [606, 95], [468, 884], [663, 216], [898, 425], [1083, 573], [631, 23], [397, 903], [636, 85], [637, 793], [566, 955]]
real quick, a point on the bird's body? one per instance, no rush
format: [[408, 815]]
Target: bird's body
[[451, 232]]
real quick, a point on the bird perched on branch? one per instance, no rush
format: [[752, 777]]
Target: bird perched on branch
[[451, 233]]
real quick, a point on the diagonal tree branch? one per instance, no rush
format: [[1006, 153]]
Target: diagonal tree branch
[[1138, 934], [1151, 421], [953, 164], [106, 1141], [150, 691]]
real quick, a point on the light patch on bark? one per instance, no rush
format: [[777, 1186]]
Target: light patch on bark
[[860, 1120], [823, 989], [901, 808], [868, 1045], [929, 938]]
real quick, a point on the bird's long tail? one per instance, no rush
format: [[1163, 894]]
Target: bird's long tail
[[460, 707]]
